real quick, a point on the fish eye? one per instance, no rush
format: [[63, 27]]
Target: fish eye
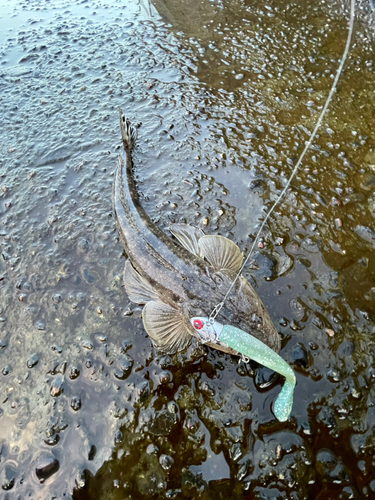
[[198, 324]]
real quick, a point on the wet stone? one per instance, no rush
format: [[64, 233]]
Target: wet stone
[[6, 370], [331, 468], [83, 245], [257, 184], [143, 391], [365, 233], [162, 423], [46, 466], [41, 325], [57, 349], [125, 345], [298, 309], [57, 298], [7, 477], [165, 377], [345, 349], [92, 452], [332, 375], [193, 482], [74, 372], [57, 386], [33, 361], [52, 440], [285, 263], [75, 403], [166, 462], [283, 321], [299, 356], [80, 479], [152, 449], [264, 377], [87, 344], [118, 437], [267, 265], [125, 364]]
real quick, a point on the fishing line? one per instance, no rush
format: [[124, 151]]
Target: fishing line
[[218, 307]]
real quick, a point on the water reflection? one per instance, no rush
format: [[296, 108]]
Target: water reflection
[[225, 93]]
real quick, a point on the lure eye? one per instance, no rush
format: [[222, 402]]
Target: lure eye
[[198, 324]]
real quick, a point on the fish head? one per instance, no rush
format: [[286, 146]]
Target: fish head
[[206, 329]]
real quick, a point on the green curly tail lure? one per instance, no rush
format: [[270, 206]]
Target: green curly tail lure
[[210, 330]]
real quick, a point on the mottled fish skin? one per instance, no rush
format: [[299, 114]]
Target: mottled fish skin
[[184, 282]]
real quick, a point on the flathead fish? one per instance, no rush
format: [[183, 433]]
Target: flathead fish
[[181, 276]]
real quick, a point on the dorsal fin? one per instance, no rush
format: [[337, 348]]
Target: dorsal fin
[[166, 327], [187, 236], [221, 253], [137, 288]]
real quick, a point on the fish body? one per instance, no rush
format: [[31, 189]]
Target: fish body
[[182, 277]]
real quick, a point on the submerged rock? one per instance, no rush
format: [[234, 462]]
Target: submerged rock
[[46, 465], [330, 468]]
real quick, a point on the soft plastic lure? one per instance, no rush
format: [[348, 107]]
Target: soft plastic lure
[[209, 330]]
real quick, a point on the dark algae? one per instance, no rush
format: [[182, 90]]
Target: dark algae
[[224, 95]]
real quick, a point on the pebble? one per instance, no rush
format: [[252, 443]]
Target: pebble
[[7, 477], [46, 466], [330, 468], [264, 377], [75, 403], [57, 298], [87, 344], [299, 356], [165, 377], [118, 437], [74, 372], [52, 440], [329, 332], [41, 325], [92, 452], [152, 449], [6, 370], [125, 365], [166, 462], [57, 386], [33, 361]]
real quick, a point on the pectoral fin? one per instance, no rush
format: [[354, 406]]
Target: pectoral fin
[[188, 237], [166, 327], [221, 253], [137, 288]]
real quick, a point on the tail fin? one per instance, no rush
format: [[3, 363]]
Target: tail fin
[[128, 132]]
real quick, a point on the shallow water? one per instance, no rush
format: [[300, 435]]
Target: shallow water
[[224, 94]]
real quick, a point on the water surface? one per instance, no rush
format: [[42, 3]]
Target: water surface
[[224, 94]]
